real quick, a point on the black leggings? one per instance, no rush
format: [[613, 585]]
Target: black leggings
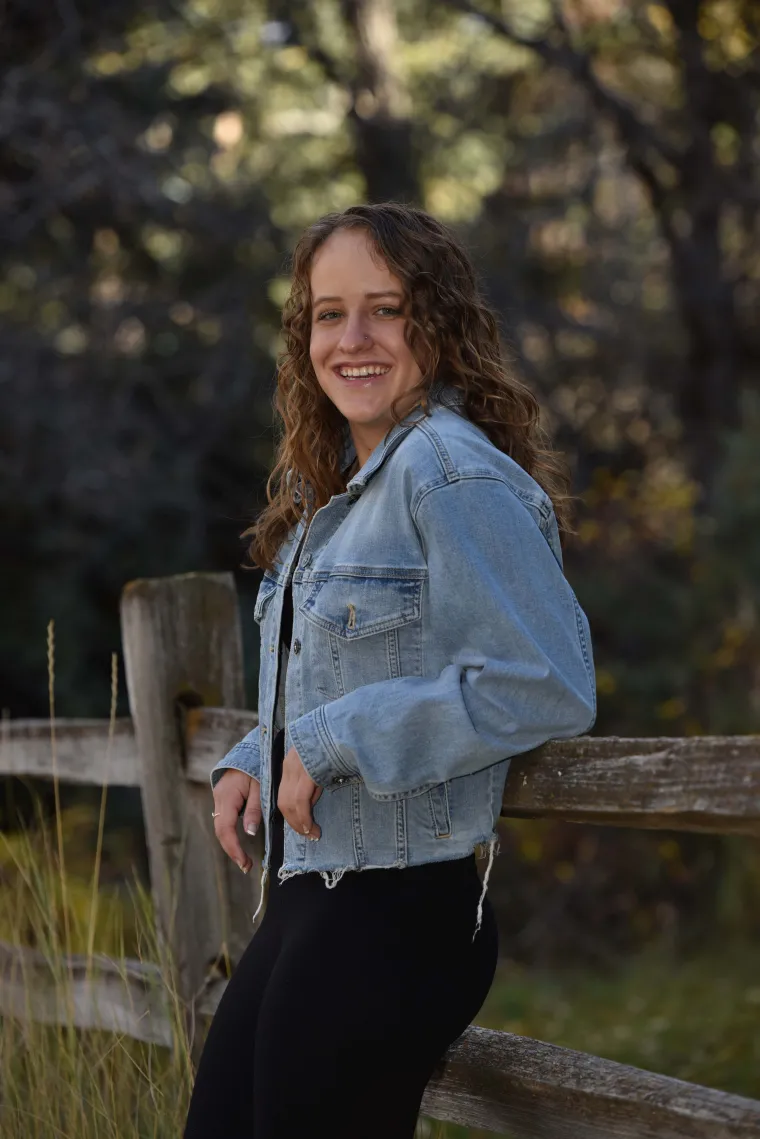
[[343, 1002]]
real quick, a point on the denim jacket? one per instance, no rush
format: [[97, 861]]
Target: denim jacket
[[434, 637]]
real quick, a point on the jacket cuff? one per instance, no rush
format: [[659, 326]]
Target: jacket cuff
[[317, 750], [243, 758]]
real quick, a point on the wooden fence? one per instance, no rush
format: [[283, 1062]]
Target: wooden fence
[[184, 668]]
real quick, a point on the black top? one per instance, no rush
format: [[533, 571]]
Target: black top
[[286, 629], [278, 744]]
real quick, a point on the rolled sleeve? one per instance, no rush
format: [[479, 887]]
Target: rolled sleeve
[[245, 756]]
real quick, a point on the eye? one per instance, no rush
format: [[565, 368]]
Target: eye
[[328, 312], [390, 309]]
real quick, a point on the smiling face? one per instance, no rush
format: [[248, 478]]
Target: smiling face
[[358, 351]]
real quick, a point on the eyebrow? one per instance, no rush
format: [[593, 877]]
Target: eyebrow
[[368, 296]]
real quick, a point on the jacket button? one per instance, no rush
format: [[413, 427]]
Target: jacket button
[[306, 559], [296, 646]]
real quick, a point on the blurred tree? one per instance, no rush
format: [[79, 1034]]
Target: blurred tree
[[156, 164], [126, 357], [377, 100], [694, 71]]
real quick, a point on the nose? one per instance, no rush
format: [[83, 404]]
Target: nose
[[355, 334]]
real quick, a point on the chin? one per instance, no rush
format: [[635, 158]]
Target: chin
[[358, 404]]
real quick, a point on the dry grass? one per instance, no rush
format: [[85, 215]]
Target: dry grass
[[58, 1080]]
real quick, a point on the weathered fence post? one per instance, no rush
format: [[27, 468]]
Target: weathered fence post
[[183, 648]]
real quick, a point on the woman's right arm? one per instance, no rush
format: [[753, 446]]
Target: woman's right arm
[[235, 781]]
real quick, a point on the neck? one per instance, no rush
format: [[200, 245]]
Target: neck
[[365, 442], [367, 436]]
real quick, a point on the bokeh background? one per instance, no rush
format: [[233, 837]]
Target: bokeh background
[[600, 160]]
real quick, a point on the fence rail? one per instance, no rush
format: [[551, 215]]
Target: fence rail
[[701, 783], [183, 654]]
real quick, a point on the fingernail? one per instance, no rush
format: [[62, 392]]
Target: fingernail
[[252, 828], [245, 869], [313, 837]]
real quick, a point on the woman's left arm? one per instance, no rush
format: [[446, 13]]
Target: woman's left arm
[[520, 669]]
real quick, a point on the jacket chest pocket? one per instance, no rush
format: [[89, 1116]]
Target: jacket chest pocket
[[365, 625]]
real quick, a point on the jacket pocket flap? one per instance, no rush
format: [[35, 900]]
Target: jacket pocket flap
[[354, 602]]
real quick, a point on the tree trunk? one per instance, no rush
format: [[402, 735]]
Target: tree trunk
[[380, 115]]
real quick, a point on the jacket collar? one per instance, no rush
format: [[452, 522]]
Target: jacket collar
[[445, 395]]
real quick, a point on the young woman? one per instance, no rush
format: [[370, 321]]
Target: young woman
[[416, 632]]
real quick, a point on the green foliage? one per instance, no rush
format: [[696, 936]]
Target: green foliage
[[675, 595]]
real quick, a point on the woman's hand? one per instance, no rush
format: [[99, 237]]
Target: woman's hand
[[233, 790], [297, 795]]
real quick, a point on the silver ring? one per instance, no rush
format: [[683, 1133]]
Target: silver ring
[[215, 813]]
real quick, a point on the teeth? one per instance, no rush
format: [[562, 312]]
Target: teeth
[[350, 373]]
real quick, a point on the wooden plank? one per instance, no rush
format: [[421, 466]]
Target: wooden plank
[[509, 1084], [528, 1089], [183, 649], [82, 747], [700, 783], [127, 998], [210, 734], [81, 750]]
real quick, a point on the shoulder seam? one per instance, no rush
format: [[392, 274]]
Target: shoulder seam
[[451, 475], [470, 475]]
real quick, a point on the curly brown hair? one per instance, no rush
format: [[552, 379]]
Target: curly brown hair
[[454, 338]]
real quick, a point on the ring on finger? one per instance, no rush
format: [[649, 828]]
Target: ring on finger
[[215, 813]]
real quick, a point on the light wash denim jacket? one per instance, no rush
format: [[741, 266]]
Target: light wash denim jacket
[[434, 637]]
